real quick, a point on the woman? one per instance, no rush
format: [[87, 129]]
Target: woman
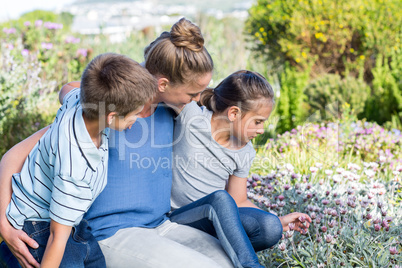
[[130, 218]]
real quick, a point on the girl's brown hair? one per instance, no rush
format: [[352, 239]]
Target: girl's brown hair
[[241, 89], [179, 55]]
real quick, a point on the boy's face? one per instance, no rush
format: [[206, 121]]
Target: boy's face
[[120, 123]]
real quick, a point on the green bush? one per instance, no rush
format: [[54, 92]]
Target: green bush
[[385, 102], [343, 37], [291, 106], [327, 93], [27, 103], [59, 52]]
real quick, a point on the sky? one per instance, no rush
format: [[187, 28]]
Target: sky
[[12, 9]]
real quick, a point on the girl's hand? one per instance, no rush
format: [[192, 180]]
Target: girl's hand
[[299, 221]]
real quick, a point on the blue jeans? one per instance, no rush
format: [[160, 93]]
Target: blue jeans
[[218, 215], [263, 228], [82, 249]]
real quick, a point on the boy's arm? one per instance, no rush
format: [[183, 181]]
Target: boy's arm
[[56, 245], [11, 163], [67, 88]]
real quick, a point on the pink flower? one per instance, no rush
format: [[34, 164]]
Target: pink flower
[[377, 227], [25, 52], [291, 226], [282, 246], [47, 46], [332, 223], [325, 202], [393, 250], [289, 234], [383, 212], [82, 52], [281, 197], [9, 31], [324, 229], [343, 211], [384, 224], [302, 219], [313, 215], [334, 213], [376, 221], [72, 40], [27, 23], [328, 238], [286, 187], [38, 23]]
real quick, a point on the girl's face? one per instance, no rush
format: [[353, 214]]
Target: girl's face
[[251, 124], [182, 94]]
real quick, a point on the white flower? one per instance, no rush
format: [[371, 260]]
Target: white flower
[[369, 173], [353, 166], [289, 167], [318, 165], [313, 169], [328, 172]]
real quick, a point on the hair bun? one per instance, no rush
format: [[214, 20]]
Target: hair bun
[[186, 34]]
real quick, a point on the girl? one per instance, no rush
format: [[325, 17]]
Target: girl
[[213, 152]]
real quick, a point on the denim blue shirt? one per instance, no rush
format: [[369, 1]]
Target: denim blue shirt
[[139, 178]]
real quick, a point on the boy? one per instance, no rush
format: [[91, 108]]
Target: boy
[[67, 169]]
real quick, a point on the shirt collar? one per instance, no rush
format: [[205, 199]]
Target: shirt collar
[[92, 155]]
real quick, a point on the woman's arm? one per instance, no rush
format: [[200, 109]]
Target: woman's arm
[[11, 163], [237, 188], [67, 88], [56, 245]]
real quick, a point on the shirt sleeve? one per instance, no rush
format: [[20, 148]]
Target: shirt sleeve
[[244, 161], [71, 198], [73, 94], [191, 109]]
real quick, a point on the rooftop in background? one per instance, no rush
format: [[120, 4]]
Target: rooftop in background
[[118, 19]]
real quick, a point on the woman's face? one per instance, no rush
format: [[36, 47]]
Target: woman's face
[[179, 95]]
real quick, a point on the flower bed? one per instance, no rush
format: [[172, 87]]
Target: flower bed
[[348, 179]]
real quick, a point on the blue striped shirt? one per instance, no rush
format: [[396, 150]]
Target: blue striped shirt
[[63, 173]]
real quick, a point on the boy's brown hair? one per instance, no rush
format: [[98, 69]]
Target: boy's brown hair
[[115, 83]]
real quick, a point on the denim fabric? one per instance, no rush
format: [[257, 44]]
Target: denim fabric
[[82, 249], [218, 215], [263, 228], [7, 259]]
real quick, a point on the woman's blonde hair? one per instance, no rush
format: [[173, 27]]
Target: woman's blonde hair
[[179, 55]]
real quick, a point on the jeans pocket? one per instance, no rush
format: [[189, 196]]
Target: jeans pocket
[[40, 232]]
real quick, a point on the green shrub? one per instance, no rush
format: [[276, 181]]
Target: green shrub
[[26, 101], [385, 102], [327, 93], [291, 101], [341, 36]]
